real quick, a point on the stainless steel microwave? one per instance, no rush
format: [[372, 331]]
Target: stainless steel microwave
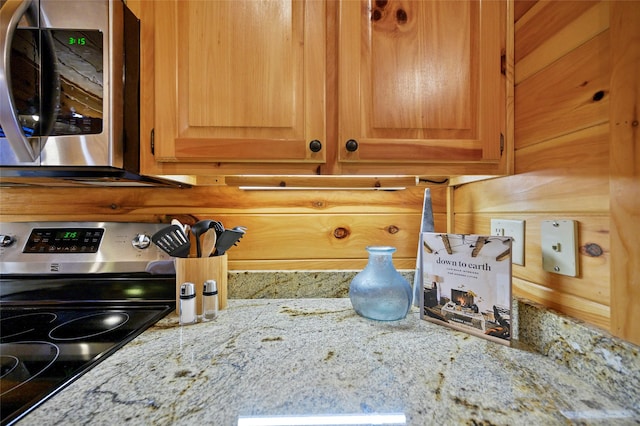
[[69, 91]]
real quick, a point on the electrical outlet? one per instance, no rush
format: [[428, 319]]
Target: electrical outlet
[[515, 230]]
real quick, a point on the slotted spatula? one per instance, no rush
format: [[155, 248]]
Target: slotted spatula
[[228, 239], [173, 241]]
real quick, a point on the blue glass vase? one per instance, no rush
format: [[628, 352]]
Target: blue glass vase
[[379, 292]]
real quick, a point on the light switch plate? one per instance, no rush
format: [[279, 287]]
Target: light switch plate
[[559, 246], [515, 230]]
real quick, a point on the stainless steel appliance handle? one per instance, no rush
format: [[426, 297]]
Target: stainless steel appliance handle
[[10, 15]]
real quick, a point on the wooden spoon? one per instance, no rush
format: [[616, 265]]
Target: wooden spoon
[[209, 242]]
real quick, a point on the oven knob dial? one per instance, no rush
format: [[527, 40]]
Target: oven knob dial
[[141, 241], [6, 240]]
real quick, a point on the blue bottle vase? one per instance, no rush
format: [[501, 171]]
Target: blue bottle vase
[[379, 292]]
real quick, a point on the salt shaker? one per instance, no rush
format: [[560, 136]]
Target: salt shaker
[[210, 300], [187, 304]]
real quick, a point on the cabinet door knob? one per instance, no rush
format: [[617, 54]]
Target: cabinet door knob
[[352, 145], [315, 145]]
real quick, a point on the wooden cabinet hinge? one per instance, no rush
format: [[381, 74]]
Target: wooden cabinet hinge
[[501, 144], [153, 142]]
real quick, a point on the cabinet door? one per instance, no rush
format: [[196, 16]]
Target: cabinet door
[[239, 81], [420, 82]]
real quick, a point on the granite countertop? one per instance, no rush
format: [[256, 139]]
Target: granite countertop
[[286, 357]]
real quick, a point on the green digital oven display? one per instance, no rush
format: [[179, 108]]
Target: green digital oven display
[[67, 235]]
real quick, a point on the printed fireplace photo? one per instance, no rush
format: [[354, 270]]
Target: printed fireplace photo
[[462, 298]]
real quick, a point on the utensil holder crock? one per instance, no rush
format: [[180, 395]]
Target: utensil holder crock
[[197, 270]]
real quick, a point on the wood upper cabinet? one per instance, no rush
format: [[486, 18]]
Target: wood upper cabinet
[[421, 83], [240, 81], [326, 87]]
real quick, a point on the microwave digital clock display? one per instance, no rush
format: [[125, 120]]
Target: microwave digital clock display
[[64, 240]]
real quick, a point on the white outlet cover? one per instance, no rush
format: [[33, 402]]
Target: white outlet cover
[[559, 246], [515, 230]]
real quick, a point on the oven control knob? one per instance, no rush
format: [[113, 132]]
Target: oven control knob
[[141, 241], [6, 240]]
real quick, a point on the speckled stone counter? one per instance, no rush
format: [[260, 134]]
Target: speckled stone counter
[[285, 357], [598, 358]]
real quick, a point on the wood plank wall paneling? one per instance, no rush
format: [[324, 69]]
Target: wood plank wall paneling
[[569, 94], [520, 7], [624, 164], [288, 230], [561, 155], [557, 155], [591, 312], [593, 280], [551, 30]]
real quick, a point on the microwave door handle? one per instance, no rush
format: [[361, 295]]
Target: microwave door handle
[[49, 85], [10, 15]]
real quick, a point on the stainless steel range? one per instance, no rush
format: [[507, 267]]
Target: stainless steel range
[[71, 294]]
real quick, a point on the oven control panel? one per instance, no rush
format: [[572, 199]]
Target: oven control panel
[[80, 247], [64, 240]]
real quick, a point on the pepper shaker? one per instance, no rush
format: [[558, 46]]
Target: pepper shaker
[[210, 300]]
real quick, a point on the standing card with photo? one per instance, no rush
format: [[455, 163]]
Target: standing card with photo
[[466, 283]]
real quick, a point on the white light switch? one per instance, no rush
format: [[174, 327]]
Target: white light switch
[[559, 246], [515, 230]]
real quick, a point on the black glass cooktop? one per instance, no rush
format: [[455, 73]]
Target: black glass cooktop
[[43, 349], [52, 330]]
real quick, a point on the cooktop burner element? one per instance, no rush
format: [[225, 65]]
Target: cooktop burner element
[[63, 309], [23, 362], [89, 326], [23, 324]]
